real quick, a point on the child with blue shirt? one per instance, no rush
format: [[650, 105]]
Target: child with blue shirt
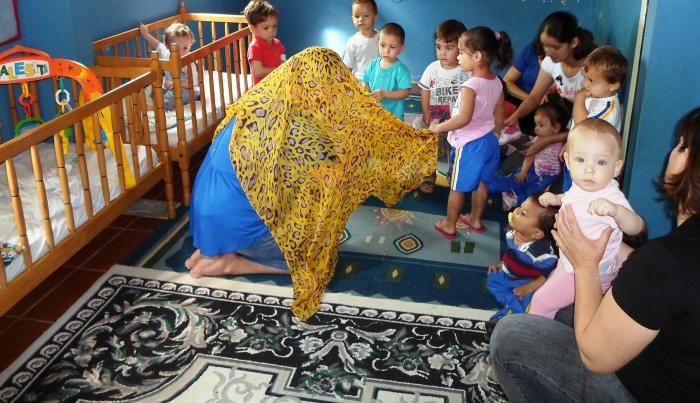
[[386, 76], [529, 257]]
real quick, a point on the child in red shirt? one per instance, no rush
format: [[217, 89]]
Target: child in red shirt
[[265, 52]]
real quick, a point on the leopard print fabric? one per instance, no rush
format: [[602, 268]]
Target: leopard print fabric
[[310, 145]]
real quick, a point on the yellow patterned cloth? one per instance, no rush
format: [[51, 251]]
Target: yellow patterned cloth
[[310, 144]]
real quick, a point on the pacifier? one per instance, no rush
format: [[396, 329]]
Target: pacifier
[[510, 217]]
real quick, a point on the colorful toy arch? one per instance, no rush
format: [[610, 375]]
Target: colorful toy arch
[[29, 64]]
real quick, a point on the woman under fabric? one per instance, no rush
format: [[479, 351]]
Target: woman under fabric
[[639, 341], [294, 157]]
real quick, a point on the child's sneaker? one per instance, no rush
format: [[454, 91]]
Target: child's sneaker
[[508, 200], [508, 134]]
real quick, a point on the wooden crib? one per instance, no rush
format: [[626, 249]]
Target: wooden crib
[[51, 204], [222, 65]]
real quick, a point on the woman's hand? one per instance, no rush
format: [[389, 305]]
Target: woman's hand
[[434, 127], [534, 148], [583, 253]]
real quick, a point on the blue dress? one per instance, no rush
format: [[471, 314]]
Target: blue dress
[[222, 219]]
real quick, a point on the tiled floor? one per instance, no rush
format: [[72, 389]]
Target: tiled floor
[[30, 317]]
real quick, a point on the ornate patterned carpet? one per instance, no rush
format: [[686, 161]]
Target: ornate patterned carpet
[[385, 252], [153, 335]]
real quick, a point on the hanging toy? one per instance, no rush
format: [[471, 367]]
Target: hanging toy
[[63, 101], [29, 121]]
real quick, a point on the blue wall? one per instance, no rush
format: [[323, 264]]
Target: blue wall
[[331, 25], [66, 28], [667, 90], [667, 87], [616, 23]]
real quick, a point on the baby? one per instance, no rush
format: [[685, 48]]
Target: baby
[[593, 156], [362, 47], [181, 35], [528, 259], [386, 76], [604, 69]]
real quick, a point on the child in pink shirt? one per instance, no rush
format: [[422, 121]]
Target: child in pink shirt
[[265, 52], [593, 156], [477, 114]]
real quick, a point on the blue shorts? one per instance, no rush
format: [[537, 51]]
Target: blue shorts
[[477, 161]]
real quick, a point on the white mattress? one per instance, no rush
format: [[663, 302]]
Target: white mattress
[[171, 119], [30, 201]]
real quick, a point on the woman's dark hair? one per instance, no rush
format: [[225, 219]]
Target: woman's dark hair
[[494, 44], [683, 188], [563, 27], [558, 110]]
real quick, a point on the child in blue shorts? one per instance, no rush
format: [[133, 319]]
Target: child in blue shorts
[[478, 111]]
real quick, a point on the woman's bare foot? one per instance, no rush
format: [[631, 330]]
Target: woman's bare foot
[[193, 259], [230, 264]]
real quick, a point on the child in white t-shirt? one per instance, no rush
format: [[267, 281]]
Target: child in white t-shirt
[[604, 69], [362, 47], [440, 84]]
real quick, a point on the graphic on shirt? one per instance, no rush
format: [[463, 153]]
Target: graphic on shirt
[[440, 113]]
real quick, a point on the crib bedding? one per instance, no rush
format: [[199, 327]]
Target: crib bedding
[[171, 118], [30, 201]]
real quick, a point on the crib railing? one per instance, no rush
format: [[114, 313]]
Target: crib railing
[[206, 27], [224, 57], [129, 97]]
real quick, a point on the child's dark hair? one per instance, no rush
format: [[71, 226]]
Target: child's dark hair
[[176, 29], [683, 188], [258, 11], [394, 29], [493, 44], [563, 27], [610, 62], [558, 110], [372, 3], [546, 220], [450, 30]]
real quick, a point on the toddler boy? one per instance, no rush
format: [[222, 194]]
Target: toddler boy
[[604, 69], [265, 52], [386, 76], [362, 47]]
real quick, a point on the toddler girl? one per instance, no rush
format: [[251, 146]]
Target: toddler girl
[[476, 115], [538, 170], [593, 156]]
